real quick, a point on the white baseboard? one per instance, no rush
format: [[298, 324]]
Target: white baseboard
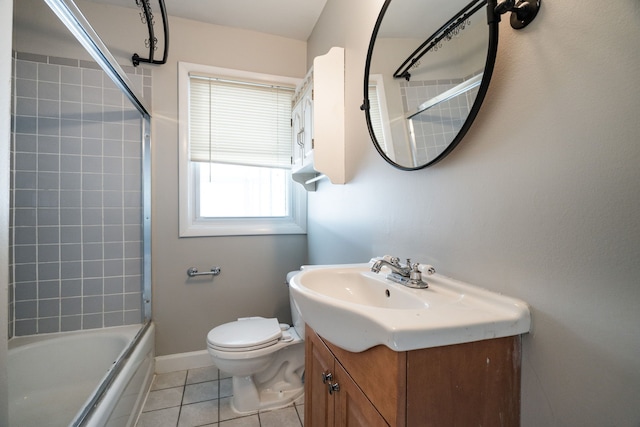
[[183, 361]]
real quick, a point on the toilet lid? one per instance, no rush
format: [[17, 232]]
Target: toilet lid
[[250, 333]]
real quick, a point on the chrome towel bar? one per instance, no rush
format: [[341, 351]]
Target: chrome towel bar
[[193, 272]]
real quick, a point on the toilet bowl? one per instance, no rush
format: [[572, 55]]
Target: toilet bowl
[[265, 359]]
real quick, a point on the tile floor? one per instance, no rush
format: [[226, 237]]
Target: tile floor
[[201, 397]]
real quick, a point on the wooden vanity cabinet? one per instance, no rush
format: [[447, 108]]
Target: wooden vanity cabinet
[[460, 385], [329, 405]]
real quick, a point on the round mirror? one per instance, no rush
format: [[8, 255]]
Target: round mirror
[[428, 68]]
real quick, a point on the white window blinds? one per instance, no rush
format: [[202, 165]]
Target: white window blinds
[[239, 123], [376, 115]]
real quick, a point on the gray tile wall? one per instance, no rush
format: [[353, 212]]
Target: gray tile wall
[[436, 128], [76, 212]]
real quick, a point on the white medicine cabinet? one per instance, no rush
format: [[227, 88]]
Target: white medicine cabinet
[[318, 123], [302, 123]]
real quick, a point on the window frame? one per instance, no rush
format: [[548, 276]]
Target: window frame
[[190, 225]]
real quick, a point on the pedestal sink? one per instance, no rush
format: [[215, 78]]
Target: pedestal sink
[[357, 309]]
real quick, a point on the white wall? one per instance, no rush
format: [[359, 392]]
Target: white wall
[[539, 201]]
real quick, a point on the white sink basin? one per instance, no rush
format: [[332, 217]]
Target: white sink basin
[[357, 309]]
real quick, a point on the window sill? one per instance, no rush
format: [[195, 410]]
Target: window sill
[[241, 227]]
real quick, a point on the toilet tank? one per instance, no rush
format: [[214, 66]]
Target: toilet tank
[[296, 317]]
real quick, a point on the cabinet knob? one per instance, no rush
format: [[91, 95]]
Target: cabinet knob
[[327, 377], [333, 387]]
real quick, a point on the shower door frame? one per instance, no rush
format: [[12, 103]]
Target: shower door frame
[[71, 16]]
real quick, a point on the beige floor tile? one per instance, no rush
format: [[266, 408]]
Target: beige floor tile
[[161, 418], [197, 398], [250, 421], [168, 380], [199, 414], [226, 413], [226, 387], [300, 409], [161, 399], [200, 375], [285, 417], [200, 392]]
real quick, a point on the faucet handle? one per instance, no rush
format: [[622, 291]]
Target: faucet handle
[[414, 273], [392, 260], [427, 269]]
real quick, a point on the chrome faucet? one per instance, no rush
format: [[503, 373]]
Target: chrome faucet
[[407, 275], [393, 264]]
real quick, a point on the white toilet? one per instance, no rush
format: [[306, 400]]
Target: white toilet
[[265, 359]]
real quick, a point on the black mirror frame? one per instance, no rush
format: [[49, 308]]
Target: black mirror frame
[[493, 19]]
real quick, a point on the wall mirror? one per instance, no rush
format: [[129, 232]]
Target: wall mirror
[[428, 68]]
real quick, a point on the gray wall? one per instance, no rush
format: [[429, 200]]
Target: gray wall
[[253, 267], [540, 200]]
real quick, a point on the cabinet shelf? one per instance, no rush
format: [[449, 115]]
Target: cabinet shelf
[[305, 174]]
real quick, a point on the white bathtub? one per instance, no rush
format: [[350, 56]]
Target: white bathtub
[[53, 377]]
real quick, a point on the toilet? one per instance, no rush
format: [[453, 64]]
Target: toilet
[[264, 357]]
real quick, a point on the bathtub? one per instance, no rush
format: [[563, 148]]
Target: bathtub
[[72, 378]]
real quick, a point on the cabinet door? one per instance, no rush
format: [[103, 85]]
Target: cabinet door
[[307, 111], [352, 408], [469, 384], [297, 127], [319, 404]]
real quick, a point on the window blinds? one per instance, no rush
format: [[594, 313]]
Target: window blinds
[[239, 123], [376, 116]]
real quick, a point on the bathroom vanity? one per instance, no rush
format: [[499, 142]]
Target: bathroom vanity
[[475, 383], [378, 353]]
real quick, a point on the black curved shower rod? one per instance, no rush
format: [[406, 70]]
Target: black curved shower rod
[[522, 13], [435, 38], [148, 17]]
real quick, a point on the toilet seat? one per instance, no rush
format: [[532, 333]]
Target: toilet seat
[[246, 334]]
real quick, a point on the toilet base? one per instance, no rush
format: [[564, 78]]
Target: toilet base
[[248, 400], [266, 378]]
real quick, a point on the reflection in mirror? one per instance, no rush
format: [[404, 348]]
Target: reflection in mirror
[[424, 87]]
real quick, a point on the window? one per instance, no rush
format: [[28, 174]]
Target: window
[[375, 115], [378, 114], [235, 154]]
